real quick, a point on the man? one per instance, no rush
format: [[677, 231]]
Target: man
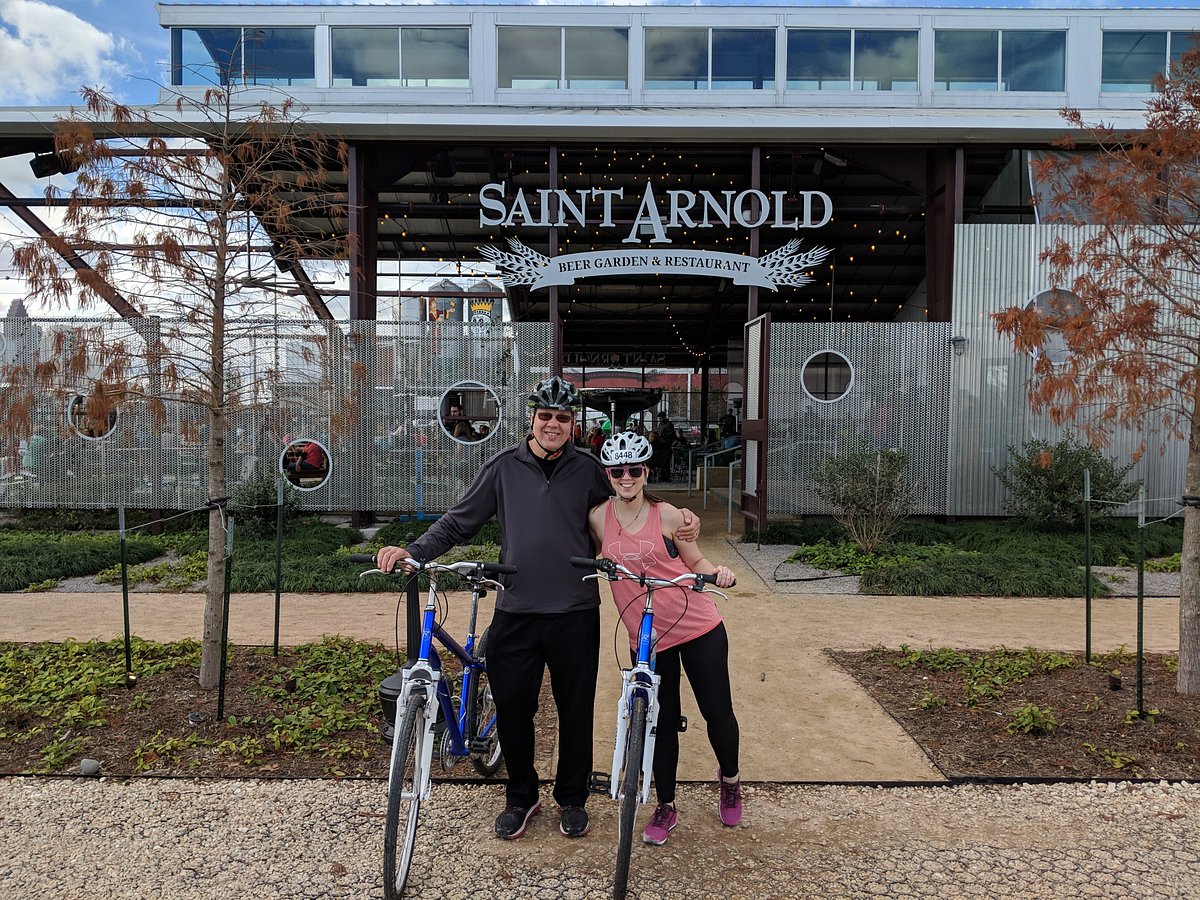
[[728, 424], [666, 434], [540, 491]]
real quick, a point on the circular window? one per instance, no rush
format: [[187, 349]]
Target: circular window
[[306, 464], [469, 412], [91, 424], [1055, 306], [827, 376]]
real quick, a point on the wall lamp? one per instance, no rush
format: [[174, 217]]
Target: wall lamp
[[958, 344], [44, 165]]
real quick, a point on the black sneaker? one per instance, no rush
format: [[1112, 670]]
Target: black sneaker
[[573, 821], [511, 823]]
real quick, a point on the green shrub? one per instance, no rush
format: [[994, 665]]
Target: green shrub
[[254, 505], [1045, 482], [870, 492], [396, 534]]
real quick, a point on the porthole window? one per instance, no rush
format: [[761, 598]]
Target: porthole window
[[469, 412], [1055, 306], [827, 376], [306, 464], [91, 424]]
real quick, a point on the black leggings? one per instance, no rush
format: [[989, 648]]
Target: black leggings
[[706, 661]]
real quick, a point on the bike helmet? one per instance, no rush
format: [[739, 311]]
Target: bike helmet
[[625, 448], [556, 393]]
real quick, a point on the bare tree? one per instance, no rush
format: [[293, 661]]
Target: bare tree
[[1126, 304], [183, 216]]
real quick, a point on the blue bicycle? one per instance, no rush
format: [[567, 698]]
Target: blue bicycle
[[637, 710], [424, 703]]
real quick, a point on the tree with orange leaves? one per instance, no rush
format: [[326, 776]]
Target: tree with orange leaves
[[1127, 283], [181, 217]]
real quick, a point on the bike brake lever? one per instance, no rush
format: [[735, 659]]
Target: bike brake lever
[[370, 572]]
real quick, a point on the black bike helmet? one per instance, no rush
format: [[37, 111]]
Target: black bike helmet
[[556, 393], [625, 448]]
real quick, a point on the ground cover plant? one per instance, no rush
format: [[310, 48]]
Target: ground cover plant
[[1028, 713], [984, 557], [313, 711]]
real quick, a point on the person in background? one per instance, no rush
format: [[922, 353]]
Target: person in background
[[540, 492], [634, 527], [667, 435]]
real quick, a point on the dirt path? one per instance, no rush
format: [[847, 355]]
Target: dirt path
[[802, 718]]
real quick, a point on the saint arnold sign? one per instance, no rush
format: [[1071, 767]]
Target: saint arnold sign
[[691, 209]]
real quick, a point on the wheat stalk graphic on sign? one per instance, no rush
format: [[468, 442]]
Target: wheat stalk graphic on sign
[[784, 268], [519, 267]]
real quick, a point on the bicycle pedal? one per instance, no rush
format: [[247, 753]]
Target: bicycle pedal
[[480, 745], [682, 724], [600, 783]]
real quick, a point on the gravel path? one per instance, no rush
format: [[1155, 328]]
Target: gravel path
[[80, 838]]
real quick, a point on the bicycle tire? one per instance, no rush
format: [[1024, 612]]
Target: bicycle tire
[[404, 799], [483, 710], [635, 742]]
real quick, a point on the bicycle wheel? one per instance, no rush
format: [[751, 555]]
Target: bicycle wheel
[[404, 797], [635, 742], [486, 761]]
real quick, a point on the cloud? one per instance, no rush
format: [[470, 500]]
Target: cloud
[[47, 52]]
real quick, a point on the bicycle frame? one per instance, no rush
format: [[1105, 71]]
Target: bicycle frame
[[642, 680], [425, 674]]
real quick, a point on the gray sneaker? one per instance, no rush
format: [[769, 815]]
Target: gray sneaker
[[511, 823]]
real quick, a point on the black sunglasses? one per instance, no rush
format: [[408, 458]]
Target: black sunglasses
[[619, 471], [563, 417]]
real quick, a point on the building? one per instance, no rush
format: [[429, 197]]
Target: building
[[827, 203]]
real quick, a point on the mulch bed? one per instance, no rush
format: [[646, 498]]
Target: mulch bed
[[174, 723], [1095, 735]]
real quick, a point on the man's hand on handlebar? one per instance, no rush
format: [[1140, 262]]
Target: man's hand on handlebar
[[387, 558]]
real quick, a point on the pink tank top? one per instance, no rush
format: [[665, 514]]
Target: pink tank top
[[680, 614]]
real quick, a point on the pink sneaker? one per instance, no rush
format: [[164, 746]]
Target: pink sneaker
[[730, 805], [660, 824]]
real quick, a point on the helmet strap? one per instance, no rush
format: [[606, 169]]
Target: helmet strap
[[636, 496], [550, 454]]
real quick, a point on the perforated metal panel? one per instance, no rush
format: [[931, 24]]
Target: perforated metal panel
[[899, 398], [367, 391]]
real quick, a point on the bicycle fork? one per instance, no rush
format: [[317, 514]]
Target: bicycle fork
[[632, 680], [421, 678]]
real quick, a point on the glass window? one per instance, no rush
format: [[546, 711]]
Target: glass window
[[365, 57], [677, 59], [1129, 60], [435, 57], [818, 60], [743, 59], [1181, 43], [885, 60], [1033, 60], [965, 60], [597, 58], [205, 56], [530, 58], [279, 56], [827, 376]]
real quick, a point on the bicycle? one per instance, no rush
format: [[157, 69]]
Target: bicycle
[[637, 710], [469, 719]]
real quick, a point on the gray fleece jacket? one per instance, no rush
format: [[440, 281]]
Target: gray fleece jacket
[[543, 522]]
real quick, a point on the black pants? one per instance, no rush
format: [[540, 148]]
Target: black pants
[[706, 661], [519, 648]]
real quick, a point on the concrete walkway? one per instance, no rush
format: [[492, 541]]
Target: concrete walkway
[[802, 718]]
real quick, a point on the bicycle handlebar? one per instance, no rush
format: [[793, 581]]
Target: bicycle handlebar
[[466, 568], [613, 570]]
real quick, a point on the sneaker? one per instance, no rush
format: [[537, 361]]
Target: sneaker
[[573, 821], [660, 824], [730, 805], [511, 823]]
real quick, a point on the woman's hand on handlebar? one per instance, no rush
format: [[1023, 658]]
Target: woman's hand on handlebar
[[387, 558], [725, 577]]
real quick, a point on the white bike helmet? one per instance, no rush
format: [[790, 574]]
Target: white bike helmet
[[625, 448]]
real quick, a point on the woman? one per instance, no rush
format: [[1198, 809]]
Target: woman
[[639, 530]]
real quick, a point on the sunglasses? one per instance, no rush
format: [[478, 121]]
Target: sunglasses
[[563, 417], [619, 471]]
